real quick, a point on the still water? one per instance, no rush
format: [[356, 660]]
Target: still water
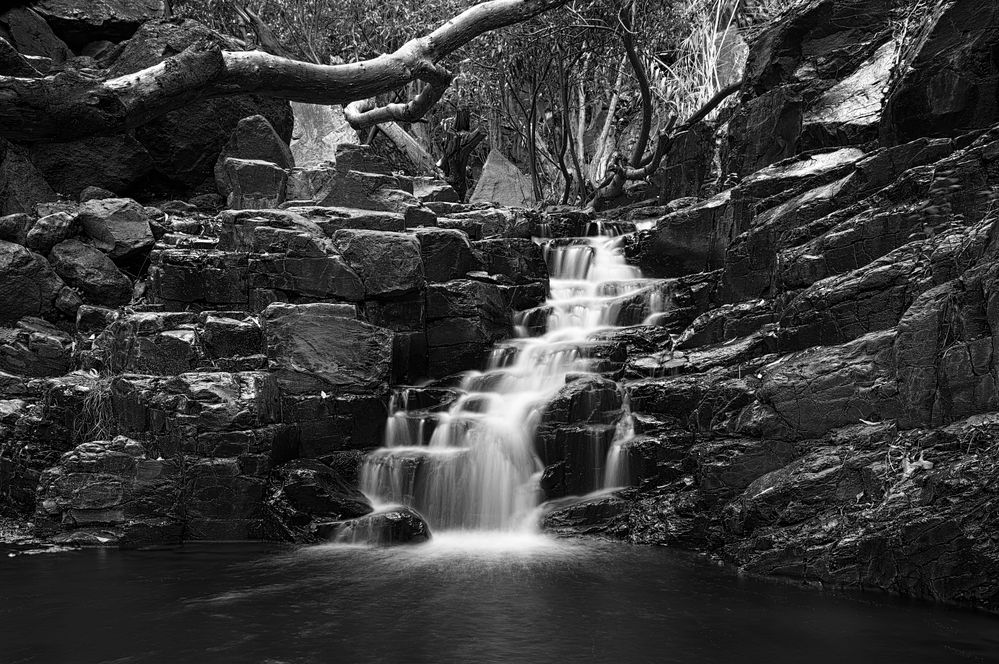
[[473, 598]]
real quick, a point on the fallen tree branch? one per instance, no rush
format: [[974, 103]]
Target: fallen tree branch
[[71, 105]]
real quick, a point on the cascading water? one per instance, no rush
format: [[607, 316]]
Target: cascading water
[[473, 467]]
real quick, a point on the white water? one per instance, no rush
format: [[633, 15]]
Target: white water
[[474, 467]]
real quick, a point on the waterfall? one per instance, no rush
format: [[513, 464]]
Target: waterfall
[[473, 467]]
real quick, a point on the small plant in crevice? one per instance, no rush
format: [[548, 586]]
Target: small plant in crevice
[[96, 419]]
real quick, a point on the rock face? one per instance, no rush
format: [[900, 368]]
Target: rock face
[[387, 528], [117, 226], [502, 182]]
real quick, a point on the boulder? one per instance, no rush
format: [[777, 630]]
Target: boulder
[[318, 131], [15, 227], [117, 226], [22, 187], [185, 144], [363, 158], [50, 230], [31, 35], [502, 182], [333, 219], [255, 139], [431, 190], [391, 527], [389, 264], [252, 184], [315, 347], [446, 253], [80, 23], [28, 284], [92, 272], [304, 490], [117, 163]]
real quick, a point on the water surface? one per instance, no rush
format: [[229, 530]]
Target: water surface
[[479, 598]]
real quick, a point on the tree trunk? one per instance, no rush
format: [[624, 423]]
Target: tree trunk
[[68, 106]]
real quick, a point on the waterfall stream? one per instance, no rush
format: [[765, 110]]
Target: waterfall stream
[[474, 466]]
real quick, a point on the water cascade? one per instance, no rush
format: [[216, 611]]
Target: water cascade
[[472, 465]]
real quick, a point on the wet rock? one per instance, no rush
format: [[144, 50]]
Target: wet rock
[[305, 490], [88, 269], [464, 319], [49, 231], [691, 240], [316, 347], [446, 253], [253, 139], [396, 526], [28, 284], [205, 278], [117, 226], [600, 515], [388, 263], [113, 484], [221, 502]]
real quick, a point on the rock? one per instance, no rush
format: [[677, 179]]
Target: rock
[[22, 187], [691, 240], [185, 144], [333, 219], [446, 254], [316, 347], [949, 84], [33, 36], [252, 184], [35, 348], [253, 139], [429, 189], [362, 158], [396, 526], [92, 193], [318, 131], [80, 23], [464, 319], [388, 263], [600, 515], [686, 166], [502, 182], [91, 319], [111, 484], [117, 226], [14, 227], [49, 231], [88, 269], [303, 490], [117, 163], [28, 285]]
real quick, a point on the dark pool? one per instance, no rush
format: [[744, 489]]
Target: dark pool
[[457, 600]]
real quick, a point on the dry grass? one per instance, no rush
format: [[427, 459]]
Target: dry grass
[[96, 419]]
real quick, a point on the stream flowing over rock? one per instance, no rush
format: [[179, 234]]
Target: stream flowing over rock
[[788, 361]]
